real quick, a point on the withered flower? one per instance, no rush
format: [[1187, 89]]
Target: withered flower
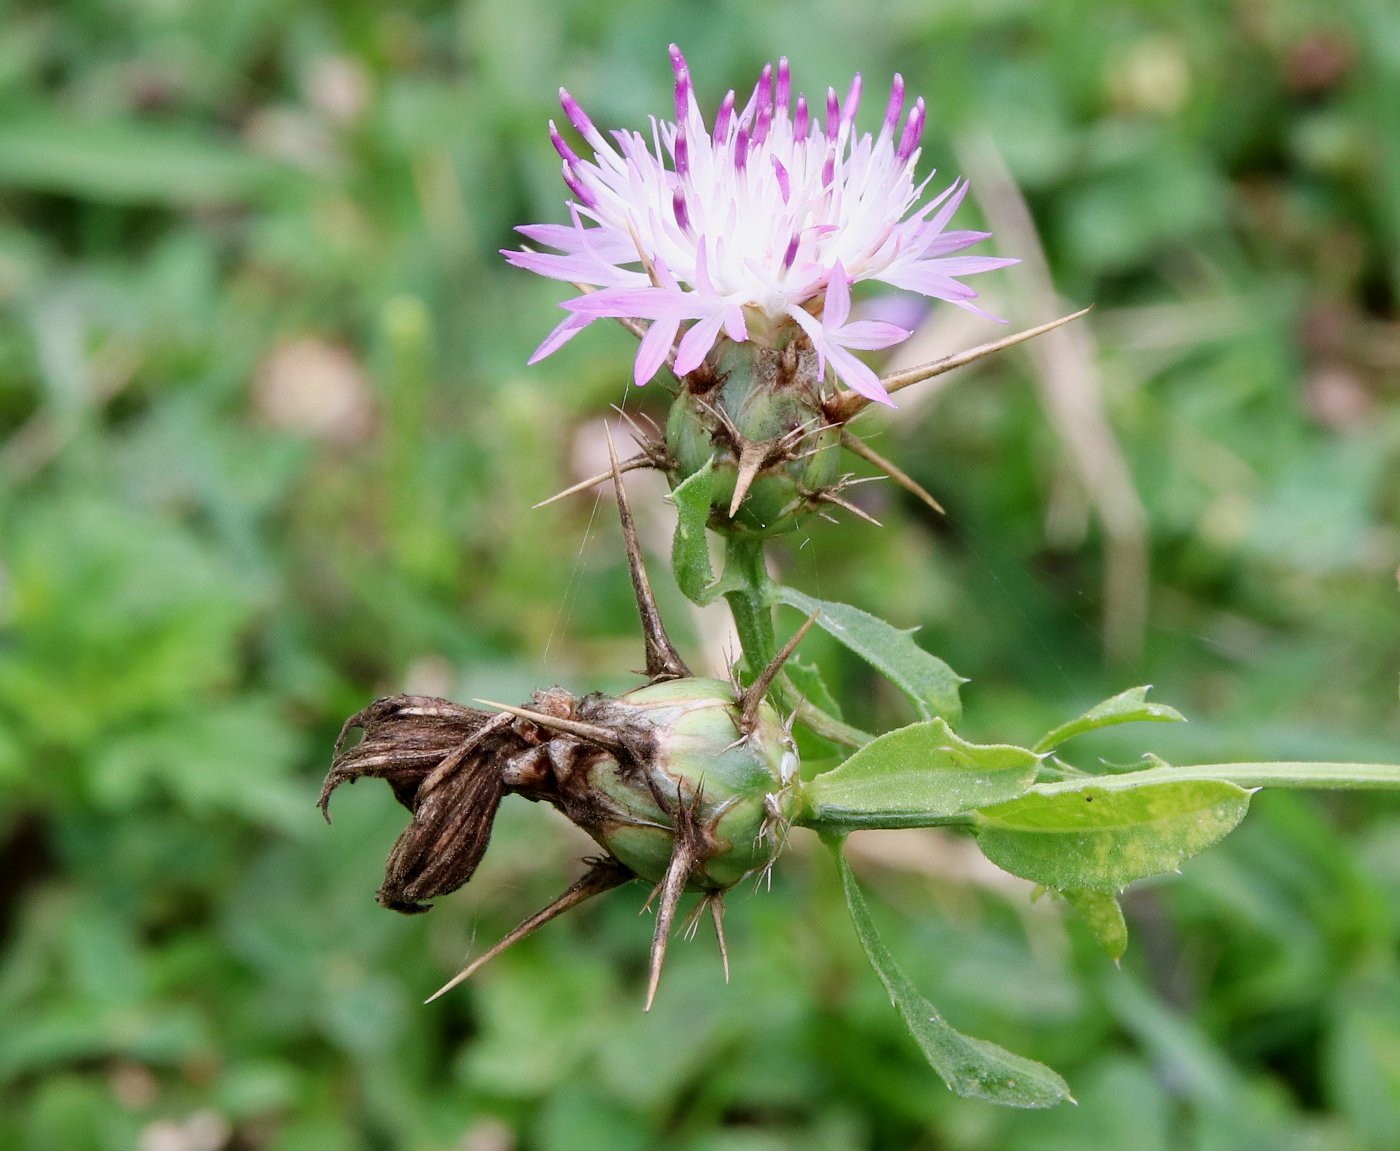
[[686, 783]]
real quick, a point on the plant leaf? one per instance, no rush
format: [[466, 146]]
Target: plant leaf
[[930, 684], [1130, 706], [690, 549], [917, 776], [1103, 914], [1104, 833], [807, 681], [972, 1068], [131, 161]]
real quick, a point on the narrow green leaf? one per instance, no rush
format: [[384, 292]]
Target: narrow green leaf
[[930, 684], [1130, 706], [690, 549], [972, 1068], [917, 776], [130, 161], [1104, 834], [1104, 916]]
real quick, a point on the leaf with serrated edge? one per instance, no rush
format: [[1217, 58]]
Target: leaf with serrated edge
[[1130, 706], [930, 684], [1103, 914], [1104, 833], [917, 776], [690, 549], [972, 1068]]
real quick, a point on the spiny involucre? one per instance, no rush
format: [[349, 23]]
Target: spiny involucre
[[755, 227]]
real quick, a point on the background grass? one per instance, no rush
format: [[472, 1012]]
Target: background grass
[[267, 446]]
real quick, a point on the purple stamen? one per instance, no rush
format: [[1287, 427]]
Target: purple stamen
[[840, 190], [577, 117], [913, 131], [894, 108], [682, 96], [848, 114], [791, 254], [765, 121], [784, 182], [577, 187], [764, 91], [723, 117], [562, 146]]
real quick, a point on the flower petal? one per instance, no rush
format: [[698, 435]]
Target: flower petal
[[655, 347], [563, 332], [774, 214], [812, 326], [858, 375], [696, 343], [870, 335], [639, 304], [838, 298]]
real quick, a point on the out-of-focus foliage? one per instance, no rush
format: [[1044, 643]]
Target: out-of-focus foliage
[[267, 446]]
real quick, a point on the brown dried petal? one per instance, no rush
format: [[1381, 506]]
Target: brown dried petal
[[443, 762], [406, 737], [439, 851]]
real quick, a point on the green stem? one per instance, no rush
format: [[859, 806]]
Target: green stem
[[882, 821], [750, 602], [1316, 776], [746, 575], [1319, 776], [823, 723]]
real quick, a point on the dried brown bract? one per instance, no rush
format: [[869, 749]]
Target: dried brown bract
[[443, 762]]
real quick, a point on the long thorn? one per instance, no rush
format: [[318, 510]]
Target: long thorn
[[592, 732], [859, 447], [663, 661], [629, 465], [716, 902], [677, 876], [757, 691], [692, 921], [849, 404], [830, 498], [639, 433], [752, 457], [602, 876]]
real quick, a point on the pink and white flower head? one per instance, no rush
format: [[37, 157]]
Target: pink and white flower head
[[746, 228]]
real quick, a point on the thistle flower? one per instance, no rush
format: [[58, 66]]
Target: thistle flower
[[753, 228]]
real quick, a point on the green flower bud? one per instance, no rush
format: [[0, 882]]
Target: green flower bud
[[757, 416], [669, 762]]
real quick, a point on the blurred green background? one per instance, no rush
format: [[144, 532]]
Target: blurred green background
[[267, 449]]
